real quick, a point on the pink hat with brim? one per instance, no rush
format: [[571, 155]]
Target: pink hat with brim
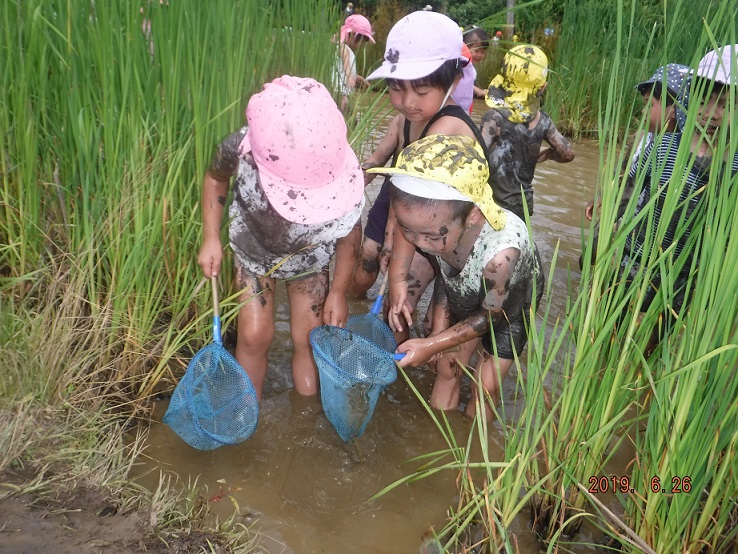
[[357, 24], [418, 44], [297, 137]]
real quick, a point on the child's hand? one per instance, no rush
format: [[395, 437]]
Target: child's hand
[[210, 257], [544, 154], [399, 306], [335, 310], [417, 352], [589, 210]]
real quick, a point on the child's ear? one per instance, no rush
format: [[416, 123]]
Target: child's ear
[[474, 217]]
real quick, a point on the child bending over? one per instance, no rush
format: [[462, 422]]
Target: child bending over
[[485, 263], [297, 200]]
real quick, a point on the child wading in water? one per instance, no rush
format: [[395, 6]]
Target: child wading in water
[[477, 40], [423, 64], [356, 30], [662, 176], [298, 197], [515, 127], [485, 263]]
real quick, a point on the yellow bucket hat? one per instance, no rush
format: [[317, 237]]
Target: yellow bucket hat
[[444, 167], [515, 90]]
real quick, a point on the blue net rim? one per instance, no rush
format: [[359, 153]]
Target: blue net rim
[[316, 336]]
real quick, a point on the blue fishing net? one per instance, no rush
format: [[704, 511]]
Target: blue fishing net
[[372, 329], [353, 372], [214, 403]]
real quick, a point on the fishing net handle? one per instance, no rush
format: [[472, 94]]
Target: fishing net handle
[[216, 311], [377, 306]]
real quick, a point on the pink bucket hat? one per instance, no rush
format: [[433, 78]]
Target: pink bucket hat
[[297, 137], [718, 66], [418, 44], [357, 24]]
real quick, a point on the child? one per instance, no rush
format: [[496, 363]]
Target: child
[[715, 76], [464, 92], [515, 127], [422, 65], [484, 260], [665, 112], [356, 30], [298, 198], [664, 109], [477, 40]]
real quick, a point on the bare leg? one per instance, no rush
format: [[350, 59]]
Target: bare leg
[[255, 326], [307, 297], [449, 372], [492, 371], [367, 268]]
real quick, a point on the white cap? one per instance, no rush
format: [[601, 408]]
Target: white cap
[[720, 65]]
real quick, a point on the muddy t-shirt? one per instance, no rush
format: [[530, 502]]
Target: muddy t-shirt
[[467, 293], [513, 154], [261, 239]]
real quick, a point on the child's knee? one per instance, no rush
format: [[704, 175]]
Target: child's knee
[[448, 368], [255, 337]]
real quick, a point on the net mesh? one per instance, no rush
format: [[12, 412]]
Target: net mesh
[[372, 329], [214, 403], [353, 372]]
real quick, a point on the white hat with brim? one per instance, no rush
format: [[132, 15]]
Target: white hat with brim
[[419, 44], [720, 65]]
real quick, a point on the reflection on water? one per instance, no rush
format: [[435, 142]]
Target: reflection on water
[[305, 488]]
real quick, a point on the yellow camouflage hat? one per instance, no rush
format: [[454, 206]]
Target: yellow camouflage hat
[[515, 91], [444, 167]]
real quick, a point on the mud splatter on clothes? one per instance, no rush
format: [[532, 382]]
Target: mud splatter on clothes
[[260, 238], [513, 155], [467, 292]]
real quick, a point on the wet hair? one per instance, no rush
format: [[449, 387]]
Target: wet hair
[[442, 78], [476, 35], [460, 209]]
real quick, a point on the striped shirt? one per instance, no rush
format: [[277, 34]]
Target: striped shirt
[[659, 164]]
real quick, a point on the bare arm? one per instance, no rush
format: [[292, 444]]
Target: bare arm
[[559, 149], [385, 149], [347, 69], [214, 192], [399, 268], [497, 276]]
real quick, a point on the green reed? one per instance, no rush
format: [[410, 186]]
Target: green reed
[[588, 386], [668, 407], [107, 132], [590, 34]]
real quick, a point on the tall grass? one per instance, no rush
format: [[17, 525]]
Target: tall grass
[[107, 132], [590, 389], [593, 32]]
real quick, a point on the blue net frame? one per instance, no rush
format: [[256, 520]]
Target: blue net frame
[[353, 371]]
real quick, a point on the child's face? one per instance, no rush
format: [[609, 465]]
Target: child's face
[[478, 52], [658, 120], [712, 112], [416, 103], [435, 233]]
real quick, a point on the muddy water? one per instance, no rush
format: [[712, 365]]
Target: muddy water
[[304, 489]]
